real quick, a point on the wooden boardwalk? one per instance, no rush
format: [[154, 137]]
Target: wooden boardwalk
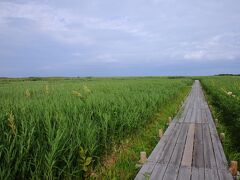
[[190, 148]]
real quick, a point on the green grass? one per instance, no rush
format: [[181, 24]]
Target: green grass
[[57, 128], [224, 95], [121, 164]]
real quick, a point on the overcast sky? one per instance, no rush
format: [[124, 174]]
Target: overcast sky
[[119, 37]]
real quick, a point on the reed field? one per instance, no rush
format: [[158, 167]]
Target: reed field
[[224, 95], [60, 128]]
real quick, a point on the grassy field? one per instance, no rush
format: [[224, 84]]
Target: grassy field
[[121, 163], [224, 94], [58, 128]]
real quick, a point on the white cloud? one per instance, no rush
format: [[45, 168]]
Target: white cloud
[[194, 55], [65, 26], [219, 47], [47, 20], [106, 58]]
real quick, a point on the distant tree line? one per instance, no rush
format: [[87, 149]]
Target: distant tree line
[[227, 75]]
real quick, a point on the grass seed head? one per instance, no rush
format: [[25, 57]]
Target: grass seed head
[[46, 89], [76, 93], [86, 89], [27, 93], [11, 123]]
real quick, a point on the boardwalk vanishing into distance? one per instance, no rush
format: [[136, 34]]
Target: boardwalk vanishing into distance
[[190, 148]]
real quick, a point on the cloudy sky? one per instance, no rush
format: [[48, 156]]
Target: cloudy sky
[[117, 38]]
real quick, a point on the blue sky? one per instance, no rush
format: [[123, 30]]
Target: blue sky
[[117, 38]]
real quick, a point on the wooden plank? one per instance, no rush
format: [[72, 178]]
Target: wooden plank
[[158, 172], [207, 146], [184, 108], [188, 115], [193, 117], [204, 116], [224, 159], [198, 116], [184, 173], [210, 121], [220, 161], [225, 175], [187, 109], [201, 173], [197, 173], [174, 163], [197, 107], [198, 156], [167, 153], [211, 174], [157, 152], [188, 151], [168, 150], [171, 172], [145, 171], [160, 148], [209, 158], [169, 129]]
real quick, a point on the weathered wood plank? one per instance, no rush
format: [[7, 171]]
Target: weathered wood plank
[[208, 153], [220, 161], [168, 150], [198, 156], [188, 151], [187, 109], [158, 151], [158, 172], [225, 174], [209, 158], [184, 173], [175, 161], [145, 171], [197, 173], [211, 174]]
